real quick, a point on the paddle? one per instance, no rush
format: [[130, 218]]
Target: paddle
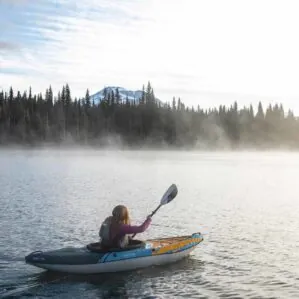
[[168, 196]]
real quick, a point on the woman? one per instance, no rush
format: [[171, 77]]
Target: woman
[[116, 229]]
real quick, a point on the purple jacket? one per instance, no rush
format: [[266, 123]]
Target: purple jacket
[[126, 229]]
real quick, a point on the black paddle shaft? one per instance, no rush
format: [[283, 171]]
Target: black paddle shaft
[[154, 212], [151, 215], [170, 197]]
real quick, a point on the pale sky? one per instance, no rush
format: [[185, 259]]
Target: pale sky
[[207, 52]]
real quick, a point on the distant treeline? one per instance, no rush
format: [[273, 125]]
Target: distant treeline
[[31, 119]]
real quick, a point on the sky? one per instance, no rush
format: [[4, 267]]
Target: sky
[[205, 52]]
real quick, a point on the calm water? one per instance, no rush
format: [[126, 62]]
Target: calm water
[[245, 204]]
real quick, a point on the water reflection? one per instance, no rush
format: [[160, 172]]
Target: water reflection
[[132, 284]]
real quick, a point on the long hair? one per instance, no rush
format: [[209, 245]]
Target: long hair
[[120, 215]]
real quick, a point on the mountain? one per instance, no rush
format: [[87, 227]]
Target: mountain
[[123, 93]]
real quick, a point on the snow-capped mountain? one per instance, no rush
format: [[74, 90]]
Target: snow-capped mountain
[[123, 93]]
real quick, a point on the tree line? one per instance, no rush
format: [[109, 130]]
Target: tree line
[[32, 119]]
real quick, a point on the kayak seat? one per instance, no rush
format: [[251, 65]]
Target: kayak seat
[[97, 247]]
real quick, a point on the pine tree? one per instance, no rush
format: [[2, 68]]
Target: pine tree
[[143, 97], [63, 96], [251, 113], [117, 97], [260, 111], [50, 95], [30, 94], [173, 104], [112, 98], [67, 95], [148, 94], [179, 104], [87, 100]]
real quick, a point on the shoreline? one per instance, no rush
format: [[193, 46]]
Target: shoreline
[[144, 148]]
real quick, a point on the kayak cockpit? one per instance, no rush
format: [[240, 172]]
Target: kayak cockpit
[[138, 244], [133, 245]]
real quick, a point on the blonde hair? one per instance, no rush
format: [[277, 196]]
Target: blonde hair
[[120, 215]]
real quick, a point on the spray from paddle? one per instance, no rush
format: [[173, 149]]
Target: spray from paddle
[[167, 197]]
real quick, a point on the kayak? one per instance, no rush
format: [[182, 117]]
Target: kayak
[[92, 258]]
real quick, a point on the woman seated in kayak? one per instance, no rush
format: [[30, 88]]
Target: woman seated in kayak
[[115, 230]]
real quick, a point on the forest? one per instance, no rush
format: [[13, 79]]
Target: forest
[[37, 119]]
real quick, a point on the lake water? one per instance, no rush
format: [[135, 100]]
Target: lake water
[[245, 204]]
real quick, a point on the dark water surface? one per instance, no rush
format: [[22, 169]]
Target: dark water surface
[[245, 204]]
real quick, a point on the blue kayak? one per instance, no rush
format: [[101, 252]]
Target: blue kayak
[[92, 258]]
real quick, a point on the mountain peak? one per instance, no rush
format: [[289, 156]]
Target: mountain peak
[[131, 95]]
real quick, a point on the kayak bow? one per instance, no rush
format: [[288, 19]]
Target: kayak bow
[[93, 259]]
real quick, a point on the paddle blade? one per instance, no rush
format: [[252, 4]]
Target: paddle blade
[[169, 195]]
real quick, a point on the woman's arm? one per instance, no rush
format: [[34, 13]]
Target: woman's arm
[[134, 229]]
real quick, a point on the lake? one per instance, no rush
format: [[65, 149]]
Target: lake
[[246, 205]]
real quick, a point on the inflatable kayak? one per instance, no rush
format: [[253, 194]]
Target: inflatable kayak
[[93, 259]]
